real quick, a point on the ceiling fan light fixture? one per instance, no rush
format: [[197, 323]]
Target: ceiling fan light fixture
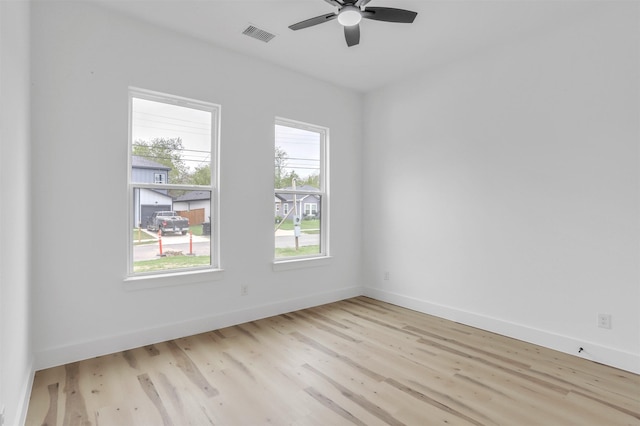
[[349, 16]]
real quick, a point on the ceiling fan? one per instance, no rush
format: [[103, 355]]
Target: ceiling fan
[[349, 14]]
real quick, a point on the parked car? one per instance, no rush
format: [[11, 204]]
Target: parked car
[[168, 221]]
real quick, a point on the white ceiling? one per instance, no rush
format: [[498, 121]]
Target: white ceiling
[[442, 32]]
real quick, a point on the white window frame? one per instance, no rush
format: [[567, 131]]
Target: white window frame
[[281, 263], [159, 178], [213, 188], [313, 209]]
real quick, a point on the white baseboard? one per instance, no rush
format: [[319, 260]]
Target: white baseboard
[[106, 345], [25, 395], [592, 351]]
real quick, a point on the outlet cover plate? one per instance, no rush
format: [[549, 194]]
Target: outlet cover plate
[[604, 321]]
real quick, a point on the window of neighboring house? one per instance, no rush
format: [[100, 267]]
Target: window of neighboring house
[[300, 176], [173, 156], [310, 209]]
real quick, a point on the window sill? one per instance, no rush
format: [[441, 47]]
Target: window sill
[[286, 265], [144, 282]]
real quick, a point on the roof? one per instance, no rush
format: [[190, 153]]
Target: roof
[[288, 197], [194, 196], [308, 188], [140, 162]]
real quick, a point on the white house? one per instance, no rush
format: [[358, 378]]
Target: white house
[[198, 203]]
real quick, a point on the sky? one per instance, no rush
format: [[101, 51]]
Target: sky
[[160, 120], [302, 148]]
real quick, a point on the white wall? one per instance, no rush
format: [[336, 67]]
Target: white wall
[[502, 190], [83, 60], [16, 358]]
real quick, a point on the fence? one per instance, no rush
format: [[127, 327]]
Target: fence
[[196, 216]]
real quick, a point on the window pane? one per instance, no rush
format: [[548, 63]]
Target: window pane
[[170, 144], [299, 184], [297, 157], [171, 183], [171, 235], [298, 237]]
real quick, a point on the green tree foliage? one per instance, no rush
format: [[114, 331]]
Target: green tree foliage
[[287, 180], [311, 180], [201, 175], [284, 179], [280, 165], [167, 152]]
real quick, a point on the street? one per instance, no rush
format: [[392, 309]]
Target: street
[[286, 239], [201, 245], [171, 242]]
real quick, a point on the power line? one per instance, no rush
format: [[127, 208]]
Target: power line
[[183, 149], [172, 118], [172, 130]]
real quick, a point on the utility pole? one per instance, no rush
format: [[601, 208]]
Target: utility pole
[[296, 218]]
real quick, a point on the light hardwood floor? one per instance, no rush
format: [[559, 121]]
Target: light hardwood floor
[[358, 361]]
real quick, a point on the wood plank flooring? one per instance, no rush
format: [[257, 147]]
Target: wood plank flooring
[[354, 362]]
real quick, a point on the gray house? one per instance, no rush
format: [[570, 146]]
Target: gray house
[[308, 204], [196, 205], [147, 201], [144, 170]]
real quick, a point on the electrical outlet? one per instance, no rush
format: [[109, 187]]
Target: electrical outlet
[[244, 290], [604, 321], [386, 276]]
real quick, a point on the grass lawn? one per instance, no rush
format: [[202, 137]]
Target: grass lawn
[[196, 229], [302, 251], [142, 236], [313, 225], [172, 262]]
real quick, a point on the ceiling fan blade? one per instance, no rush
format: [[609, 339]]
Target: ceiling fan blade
[[352, 35], [335, 3], [360, 3], [313, 21], [389, 14]]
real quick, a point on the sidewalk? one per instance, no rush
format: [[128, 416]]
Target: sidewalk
[[170, 237]]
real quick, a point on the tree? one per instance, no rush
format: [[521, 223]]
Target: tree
[[201, 175], [312, 180], [167, 152], [287, 180], [280, 165]]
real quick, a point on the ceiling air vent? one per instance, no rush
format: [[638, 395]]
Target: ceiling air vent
[[258, 34]]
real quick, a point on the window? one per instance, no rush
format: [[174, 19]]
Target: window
[[310, 209], [173, 188], [301, 182]]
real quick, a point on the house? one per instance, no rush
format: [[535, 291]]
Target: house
[[144, 170], [484, 168], [196, 205], [308, 205], [146, 201]]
